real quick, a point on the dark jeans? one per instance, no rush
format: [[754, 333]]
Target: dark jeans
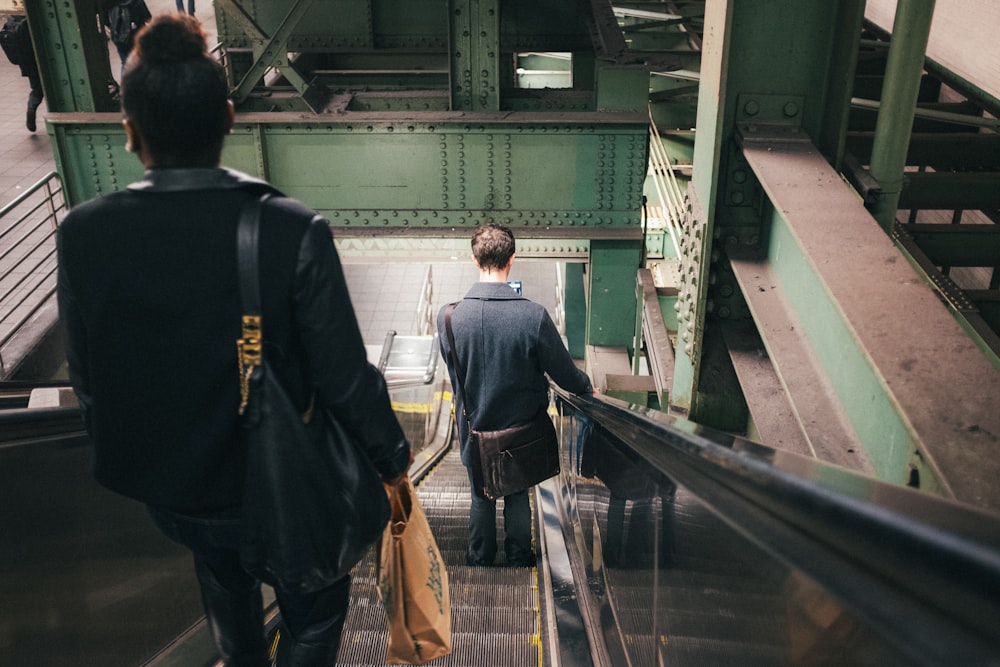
[[36, 95], [311, 623], [483, 529]]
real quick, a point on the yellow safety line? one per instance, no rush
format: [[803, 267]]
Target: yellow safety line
[[421, 408]]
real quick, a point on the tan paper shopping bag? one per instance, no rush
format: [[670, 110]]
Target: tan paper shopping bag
[[413, 584]]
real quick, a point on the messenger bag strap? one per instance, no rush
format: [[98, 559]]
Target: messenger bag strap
[[454, 361]]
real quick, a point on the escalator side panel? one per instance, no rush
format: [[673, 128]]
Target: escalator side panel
[[85, 577]]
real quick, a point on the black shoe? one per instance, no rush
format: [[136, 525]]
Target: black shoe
[[522, 562], [475, 562], [29, 120]]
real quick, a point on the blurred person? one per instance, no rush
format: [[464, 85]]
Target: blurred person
[[15, 38], [180, 6], [149, 293]]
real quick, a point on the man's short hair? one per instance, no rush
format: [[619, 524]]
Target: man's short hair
[[493, 246]]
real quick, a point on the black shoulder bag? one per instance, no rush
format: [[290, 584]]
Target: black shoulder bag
[[314, 501], [511, 459]]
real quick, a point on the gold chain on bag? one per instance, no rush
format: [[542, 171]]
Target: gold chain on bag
[[249, 354]]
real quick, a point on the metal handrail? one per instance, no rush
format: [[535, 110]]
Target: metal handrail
[[424, 322], [923, 571], [22, 239]]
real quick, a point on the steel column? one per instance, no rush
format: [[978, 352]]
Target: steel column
[[72, 55], [475, 54], [904, 69]]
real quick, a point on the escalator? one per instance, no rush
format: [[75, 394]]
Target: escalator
[[661, 543]]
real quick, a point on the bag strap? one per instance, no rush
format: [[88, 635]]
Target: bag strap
[[249, 346], [454, 361]]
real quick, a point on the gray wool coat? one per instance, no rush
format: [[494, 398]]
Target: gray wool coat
[[506, 345]]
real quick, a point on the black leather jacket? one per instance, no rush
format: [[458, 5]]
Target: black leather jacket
[[148, 292]]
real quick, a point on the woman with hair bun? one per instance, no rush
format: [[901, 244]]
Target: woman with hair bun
[[149, 294]]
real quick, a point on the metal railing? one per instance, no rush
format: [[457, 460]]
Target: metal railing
[[28, 255], [424, 324]]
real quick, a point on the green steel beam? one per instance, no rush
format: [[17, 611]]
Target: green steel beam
[[272, 51], [344, 25], [72, 55], [445, 248], [576, 310], [885, 342], [379, 172]]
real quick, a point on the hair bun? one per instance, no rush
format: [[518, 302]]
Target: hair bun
[[171, 38]]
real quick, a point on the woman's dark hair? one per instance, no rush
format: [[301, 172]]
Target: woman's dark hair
[[493, 246], [175, 93]]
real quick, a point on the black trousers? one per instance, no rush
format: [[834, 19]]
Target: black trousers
[[311, 623]]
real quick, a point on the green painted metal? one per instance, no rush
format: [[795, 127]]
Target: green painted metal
[[272, 51], [726, 209], [905, 66], [856, 383], [622, 87], [91, 159], [613, 265], [475, 54], [575, 304], [72, 55], [343, 25], [708, 150], [455, 247], [367, 174]]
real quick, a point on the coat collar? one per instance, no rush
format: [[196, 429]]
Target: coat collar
[[492, 291], [180, 180]]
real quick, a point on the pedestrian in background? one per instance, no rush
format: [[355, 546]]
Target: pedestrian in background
[[123, 19], [15, 39]]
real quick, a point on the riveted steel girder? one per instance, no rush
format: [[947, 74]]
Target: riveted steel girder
[[882, 338], [740, 57], [474, 45], [386, 173], [271, 50]]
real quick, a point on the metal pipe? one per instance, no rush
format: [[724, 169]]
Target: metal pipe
[[934, 114], [910, 31]]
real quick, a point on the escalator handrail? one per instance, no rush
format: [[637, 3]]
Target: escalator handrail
[[923, 570], [20, 426]]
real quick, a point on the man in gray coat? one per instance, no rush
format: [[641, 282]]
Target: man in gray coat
[[505, 346]]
